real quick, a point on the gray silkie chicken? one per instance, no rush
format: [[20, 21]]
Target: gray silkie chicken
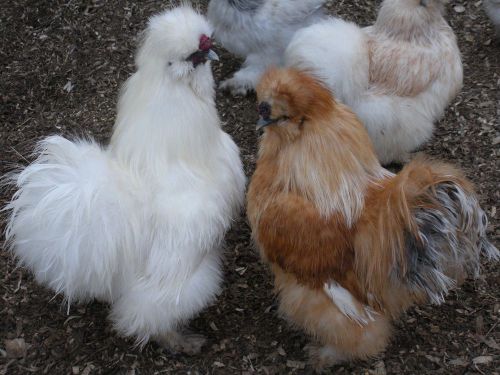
[[259, 31]]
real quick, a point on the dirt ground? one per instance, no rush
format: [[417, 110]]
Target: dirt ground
[[61, 66]]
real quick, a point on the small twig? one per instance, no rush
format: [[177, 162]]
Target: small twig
[[491, 329], [477, 368], [19, 154], [19, 282], [4, 370], [70, 319]]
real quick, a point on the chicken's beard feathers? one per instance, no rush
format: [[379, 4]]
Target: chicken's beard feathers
[[202, 82], [199, 78]]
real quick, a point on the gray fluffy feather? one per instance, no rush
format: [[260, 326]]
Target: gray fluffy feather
[[452, 237], [259, 31], [246, 5]]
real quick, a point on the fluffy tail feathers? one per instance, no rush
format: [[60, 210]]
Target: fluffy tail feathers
[[66, 219], [434, 232]]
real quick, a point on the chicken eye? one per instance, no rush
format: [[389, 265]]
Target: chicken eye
[[265, 110]]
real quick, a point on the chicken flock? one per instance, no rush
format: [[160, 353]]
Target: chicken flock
[[139, 223]]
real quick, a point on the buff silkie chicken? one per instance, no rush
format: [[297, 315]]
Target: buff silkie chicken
[[259, 31], [350, 244], [492, 8], [139, 223], [398, 75]]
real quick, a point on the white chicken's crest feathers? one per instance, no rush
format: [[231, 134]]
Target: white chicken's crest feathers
[[172, 36], [138, 224]]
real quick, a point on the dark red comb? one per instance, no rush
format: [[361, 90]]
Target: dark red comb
[[205, 43]]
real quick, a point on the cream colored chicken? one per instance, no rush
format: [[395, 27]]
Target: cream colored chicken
[[398, 75]]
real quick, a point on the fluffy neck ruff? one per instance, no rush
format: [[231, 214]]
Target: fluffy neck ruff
[[163, 120], [331, 163]]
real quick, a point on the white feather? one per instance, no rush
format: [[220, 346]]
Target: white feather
[[348, 305]]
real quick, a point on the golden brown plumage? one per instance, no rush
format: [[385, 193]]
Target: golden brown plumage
[[350, 244]]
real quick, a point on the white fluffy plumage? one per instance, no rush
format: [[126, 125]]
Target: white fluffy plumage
[[259, 31], [139, 223], [398, 75], [492, 8]]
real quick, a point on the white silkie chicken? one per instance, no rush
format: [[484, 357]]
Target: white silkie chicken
[[492, 8], [398, 75], [139, 224], [259, 31]]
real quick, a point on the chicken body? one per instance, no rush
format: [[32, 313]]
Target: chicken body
[[139, 223], [259, 31], [492, 8], [398, 75], [350, 244]]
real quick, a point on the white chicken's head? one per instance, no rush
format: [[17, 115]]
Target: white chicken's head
[[178, 42]]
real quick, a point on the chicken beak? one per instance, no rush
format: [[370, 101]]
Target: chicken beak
[[263, 122], [211, 55]]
